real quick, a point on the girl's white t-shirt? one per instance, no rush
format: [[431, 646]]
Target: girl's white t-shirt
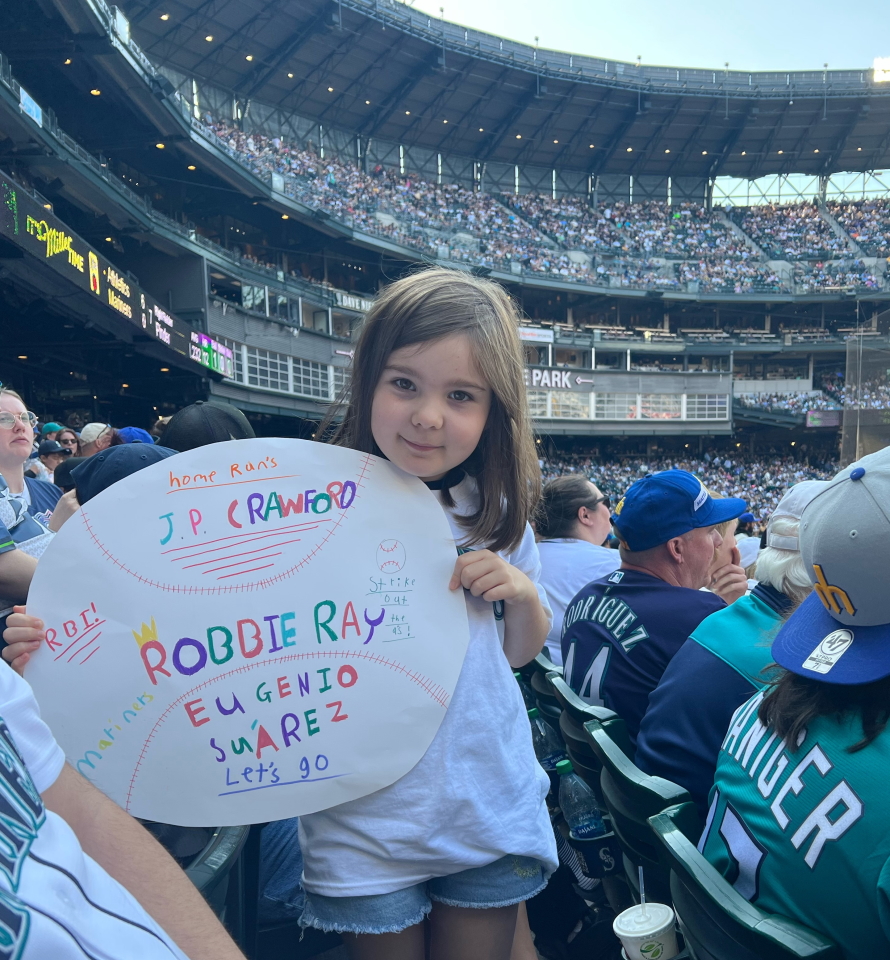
[[476, 795]]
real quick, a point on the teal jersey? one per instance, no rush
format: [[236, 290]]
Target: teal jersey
[[804, 833]]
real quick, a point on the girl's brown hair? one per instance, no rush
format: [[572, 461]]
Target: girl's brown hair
[[428, 306]]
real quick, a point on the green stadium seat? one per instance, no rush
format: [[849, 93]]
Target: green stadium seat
[[631, 798], [575, 713], [717, 922], [547, 702]]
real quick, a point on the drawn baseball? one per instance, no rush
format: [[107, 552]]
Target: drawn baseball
[[391, 556], [219, 649]]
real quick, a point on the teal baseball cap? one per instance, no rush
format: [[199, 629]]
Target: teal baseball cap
[[668, 504]]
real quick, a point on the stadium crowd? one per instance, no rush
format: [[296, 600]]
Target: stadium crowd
[[619, 243], [791, 232], [867, 222], [759, 480]]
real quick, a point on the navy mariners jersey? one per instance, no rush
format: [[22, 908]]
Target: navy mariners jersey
[[802, 831], [620, 633]]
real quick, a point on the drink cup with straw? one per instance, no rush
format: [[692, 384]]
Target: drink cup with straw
[[646, 930]]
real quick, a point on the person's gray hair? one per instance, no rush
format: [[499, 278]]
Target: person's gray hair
[[784, 570]]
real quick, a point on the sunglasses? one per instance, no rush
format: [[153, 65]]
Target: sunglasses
[[606, 500], [70, 442]]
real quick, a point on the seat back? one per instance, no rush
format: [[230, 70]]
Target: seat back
[[717, 922], [575, 713], [544, 697], [631, 798]]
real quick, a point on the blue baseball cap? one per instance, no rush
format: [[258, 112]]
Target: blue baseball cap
[[95, 474], [841, 632], [665, 505], [135, 435]]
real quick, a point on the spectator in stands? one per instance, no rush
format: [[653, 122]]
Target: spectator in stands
[[203, 422], [572, 524], [26, 504], [799, 809], [50, 431], [135, 435], [725, 660], [95, 437], [51, 453], [621, 631], [727, 577], [69, 440], [82, 877]]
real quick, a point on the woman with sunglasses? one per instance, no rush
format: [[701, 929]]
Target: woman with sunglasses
[[70, 441], [572, 524], [26, 504]]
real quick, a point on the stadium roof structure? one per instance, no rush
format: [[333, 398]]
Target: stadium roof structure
[[386, 71]]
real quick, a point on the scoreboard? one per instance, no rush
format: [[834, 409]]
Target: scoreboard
[[34, 228]]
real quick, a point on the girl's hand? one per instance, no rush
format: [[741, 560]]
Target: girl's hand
[[489, 576], [23, 634]]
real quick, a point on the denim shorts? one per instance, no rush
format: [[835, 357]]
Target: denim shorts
[[503, 883]]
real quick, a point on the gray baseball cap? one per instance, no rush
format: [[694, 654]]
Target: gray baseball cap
[[841, 632]]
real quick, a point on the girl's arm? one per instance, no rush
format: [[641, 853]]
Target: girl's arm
[[489, 576]]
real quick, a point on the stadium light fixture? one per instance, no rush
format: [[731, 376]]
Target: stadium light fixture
[[160, 146], [67, 62], [330, 89], [368, 102], [556, 141], [518, 136], [780, 151], [444, 121], [209, 38], [249, 57], [667, 151], [482, 130], [859, 149], [284, 216], [630, 149], [407, 113], [108, 240], [125, 385], [704, 153], [591, 146], [816, 150], [191, 166], [165, 369], [165, 16], [744, 153], [96, 92], [23, 356]]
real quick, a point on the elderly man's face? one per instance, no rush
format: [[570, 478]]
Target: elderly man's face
[[700, 548]]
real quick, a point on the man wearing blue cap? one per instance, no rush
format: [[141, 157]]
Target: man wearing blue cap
[[799, 809], [620, 631]]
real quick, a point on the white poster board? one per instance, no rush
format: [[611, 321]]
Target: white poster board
[[249, 631]]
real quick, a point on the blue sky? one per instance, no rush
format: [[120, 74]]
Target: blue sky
[[751, 35]]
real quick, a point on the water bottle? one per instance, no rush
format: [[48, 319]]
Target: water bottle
[[578, 804], [548, 747], [526, 691]]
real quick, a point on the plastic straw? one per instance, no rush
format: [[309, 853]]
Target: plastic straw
[[642, 882]]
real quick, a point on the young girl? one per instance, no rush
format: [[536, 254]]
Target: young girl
[[437, 389]]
